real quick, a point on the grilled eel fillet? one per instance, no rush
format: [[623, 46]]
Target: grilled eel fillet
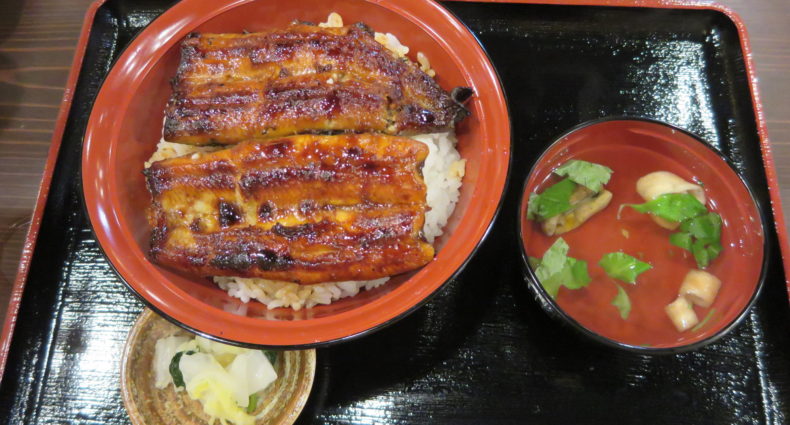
[[303, 209], [302, 80]]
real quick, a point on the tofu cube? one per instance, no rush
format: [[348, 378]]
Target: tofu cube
[[700, 287], [682, 314]]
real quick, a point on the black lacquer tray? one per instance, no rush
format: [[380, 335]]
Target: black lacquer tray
[[482, 351]]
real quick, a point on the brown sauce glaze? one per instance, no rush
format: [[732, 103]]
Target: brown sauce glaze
[[302, 79], [305, 209]]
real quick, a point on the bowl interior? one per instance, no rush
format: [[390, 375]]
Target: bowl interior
[[126, 125], [633, 148]]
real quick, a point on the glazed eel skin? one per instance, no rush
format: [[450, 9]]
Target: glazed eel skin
[[303, 79], [304, 209]]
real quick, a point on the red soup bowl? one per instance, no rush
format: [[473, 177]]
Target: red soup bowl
[[126, 125], [633, 148]]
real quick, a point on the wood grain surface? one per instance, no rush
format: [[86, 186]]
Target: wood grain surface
[[37, 39]]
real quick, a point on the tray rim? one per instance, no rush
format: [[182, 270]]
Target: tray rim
[[79, 54], [31, 237]]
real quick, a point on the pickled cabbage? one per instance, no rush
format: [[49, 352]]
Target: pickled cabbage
[[222, 377]]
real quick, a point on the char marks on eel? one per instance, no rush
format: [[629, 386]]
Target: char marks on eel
[[303, 79], [303, 209]]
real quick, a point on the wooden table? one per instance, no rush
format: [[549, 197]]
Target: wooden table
[[37, 39]]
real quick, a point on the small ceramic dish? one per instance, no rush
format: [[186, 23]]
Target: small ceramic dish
[[126, 125], [280, 404], [633, 148]]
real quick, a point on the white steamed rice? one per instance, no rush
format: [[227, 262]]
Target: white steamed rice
[[443, 171]]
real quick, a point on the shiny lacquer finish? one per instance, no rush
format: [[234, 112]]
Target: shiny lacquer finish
[[304, 209], [300, 79], [126, 124], [481, 350], [632, 149]]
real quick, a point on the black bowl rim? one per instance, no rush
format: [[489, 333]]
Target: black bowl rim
[[404, 314], [553, 309]]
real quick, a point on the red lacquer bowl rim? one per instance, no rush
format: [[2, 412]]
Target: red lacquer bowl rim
[[555, 311], [116, 242]]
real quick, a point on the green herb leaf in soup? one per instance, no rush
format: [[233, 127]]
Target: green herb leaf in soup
[[706, 228], [555, 200], [701, 254], [681, 239], [550, 269], [579, 275], [588, 174], [557, 269], [675, 207], [701, 236], [622, 302], [622, 266]]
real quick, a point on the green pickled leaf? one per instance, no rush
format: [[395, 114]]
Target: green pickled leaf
[[622, 266], [672, 206], [253, 403], [270, 355], [681, 239], [622, 302], [175, 370], [557, 269], [588, 174], [533, 262], [555, 200]]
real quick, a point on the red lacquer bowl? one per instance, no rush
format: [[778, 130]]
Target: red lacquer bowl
[[126, 125], [633, 148]]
